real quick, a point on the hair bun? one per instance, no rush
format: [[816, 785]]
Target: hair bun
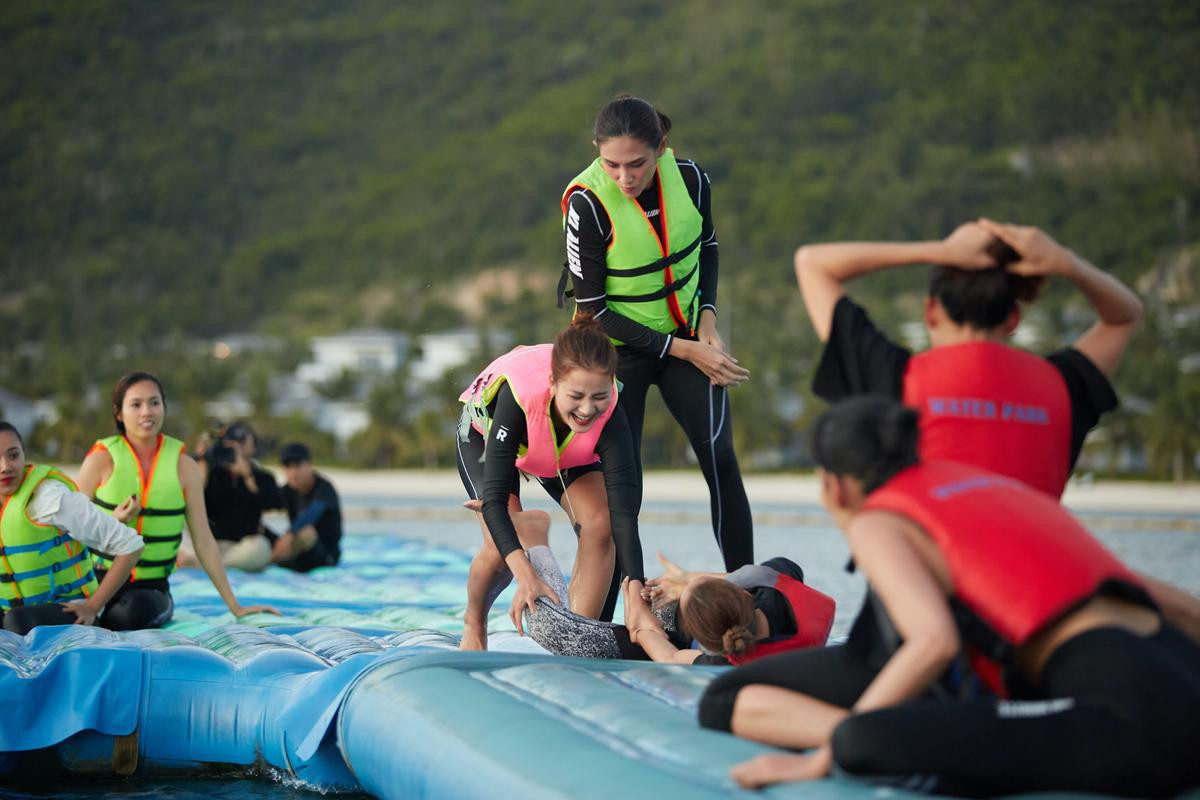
[[586, 321], [898, 430], [736, 640]]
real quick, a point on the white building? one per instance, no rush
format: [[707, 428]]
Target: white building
[[454, 348], [25, 414], [369, 351]]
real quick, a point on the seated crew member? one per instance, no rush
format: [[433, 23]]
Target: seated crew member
[[1104, 693], [551, 412], [142, 462], [46, 575], [236, 492], [314, 538], [749, 613]]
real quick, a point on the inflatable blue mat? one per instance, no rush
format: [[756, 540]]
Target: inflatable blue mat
[[358, 686]]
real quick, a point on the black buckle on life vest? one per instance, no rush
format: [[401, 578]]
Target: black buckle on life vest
[[155, 539], [102, 504], [158, 562], [563, 292]]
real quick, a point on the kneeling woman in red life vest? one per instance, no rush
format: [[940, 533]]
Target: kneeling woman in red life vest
[[142, 466], [551, 412], [1098, 692], [46, 527]]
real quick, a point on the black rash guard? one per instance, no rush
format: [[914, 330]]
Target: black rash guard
[[618, 460], [595, 233]]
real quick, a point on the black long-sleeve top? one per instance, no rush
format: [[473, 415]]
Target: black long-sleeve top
[[590, 268], [617, 458]]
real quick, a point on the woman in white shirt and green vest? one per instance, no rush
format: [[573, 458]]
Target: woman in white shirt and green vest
[[46, 528], [142, 465]]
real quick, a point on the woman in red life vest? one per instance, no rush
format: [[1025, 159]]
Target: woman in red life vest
[[760, 609], [142, 465], [752, 612], [1100, 692], [551, 412], [982, 401], [642, 256]]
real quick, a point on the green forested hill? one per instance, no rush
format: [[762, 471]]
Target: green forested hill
[[180, 170]]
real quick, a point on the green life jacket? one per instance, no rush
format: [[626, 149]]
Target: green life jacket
[[163, 505], [39, 563], [652, 281]]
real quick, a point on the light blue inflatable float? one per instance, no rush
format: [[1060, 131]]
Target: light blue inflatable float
[[359, 687]]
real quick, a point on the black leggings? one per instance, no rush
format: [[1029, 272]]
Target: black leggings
[[702, 410], [22, 619], [837, 674], [134, 607], [1116, 714]]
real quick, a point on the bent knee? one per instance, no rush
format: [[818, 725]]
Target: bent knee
[[716, 704], [860, 746]]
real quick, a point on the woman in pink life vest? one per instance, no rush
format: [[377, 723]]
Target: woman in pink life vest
[[550, 412], [1098, 690]]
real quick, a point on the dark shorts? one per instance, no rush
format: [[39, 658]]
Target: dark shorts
[[470, 469]]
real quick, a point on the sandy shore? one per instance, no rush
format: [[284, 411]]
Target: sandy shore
[[1118, 496]]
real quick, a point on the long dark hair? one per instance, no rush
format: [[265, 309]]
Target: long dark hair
[[118, 395], [627, 115], [869, 437]]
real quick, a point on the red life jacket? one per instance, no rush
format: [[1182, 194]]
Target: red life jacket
[[526, 370], [996, 407], [1018, 561], [813, 612]]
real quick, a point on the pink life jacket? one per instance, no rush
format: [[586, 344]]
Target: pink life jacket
[[526, 370]]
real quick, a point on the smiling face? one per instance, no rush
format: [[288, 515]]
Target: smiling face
[[630, 162], [142, 410], [581, 397], [12, 463]]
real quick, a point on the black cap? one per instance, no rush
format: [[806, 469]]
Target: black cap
[[238, 431], [294, 453]]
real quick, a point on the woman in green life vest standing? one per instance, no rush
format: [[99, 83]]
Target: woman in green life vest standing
[[143, 466], [46, 528], [642, 254]]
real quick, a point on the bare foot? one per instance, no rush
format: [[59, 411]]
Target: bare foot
[[780, 767], [474, 637]]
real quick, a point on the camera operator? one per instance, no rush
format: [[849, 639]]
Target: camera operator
[[237, 492]]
